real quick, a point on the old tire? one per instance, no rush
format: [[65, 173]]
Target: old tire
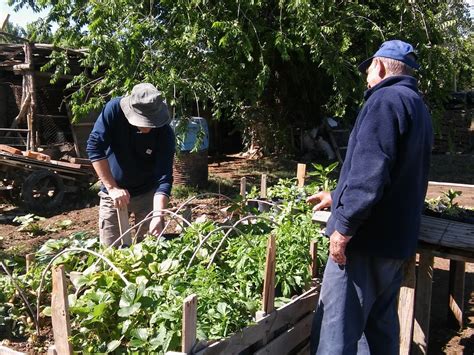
[[43, 190]]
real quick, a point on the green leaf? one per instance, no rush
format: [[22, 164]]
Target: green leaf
[[128, 311], [114, 344], [140, 333], [128, 295]]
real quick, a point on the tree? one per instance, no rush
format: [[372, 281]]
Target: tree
[[268, 65]]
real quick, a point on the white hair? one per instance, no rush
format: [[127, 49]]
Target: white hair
[[396, 67]]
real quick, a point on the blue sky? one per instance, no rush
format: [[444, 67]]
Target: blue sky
[[24, 16]]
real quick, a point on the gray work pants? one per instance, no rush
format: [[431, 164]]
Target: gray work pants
[[109, 230]]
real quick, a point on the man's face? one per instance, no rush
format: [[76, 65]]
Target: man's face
[[144, 129], [374, 73]]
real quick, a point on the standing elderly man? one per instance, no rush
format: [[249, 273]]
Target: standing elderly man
[[131, 148], [376, 210]]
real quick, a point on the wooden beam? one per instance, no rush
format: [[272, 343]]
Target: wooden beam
[[30, 259], [188, 338], [124, 224], [406, 303], [243, 187], [457, 271], [263, 186], [286, 342], [4, 21], [300, 174], [60, 312], [424, 284], [269, 282], [313, 249]]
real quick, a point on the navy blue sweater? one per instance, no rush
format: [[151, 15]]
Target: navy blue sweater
[[380, 194], [139, 162]]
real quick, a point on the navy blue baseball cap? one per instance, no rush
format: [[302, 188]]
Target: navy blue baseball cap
[[394, 49]]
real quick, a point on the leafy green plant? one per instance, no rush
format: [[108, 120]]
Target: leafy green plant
[[30, 224], [322, 178]]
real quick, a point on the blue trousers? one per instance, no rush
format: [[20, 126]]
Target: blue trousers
[[357, 307]]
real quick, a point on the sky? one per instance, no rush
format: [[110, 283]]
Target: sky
[[22, 17]]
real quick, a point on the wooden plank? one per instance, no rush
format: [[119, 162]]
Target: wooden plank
[[287, 341], [313, 249], [60, 312], [449, 184], [82, 161], [124, 224], [435, 231], [300, 174], [263, 186], [243, 187], [66, 164], [4, 21], [188, 338], [30, 259], [423, 293], [268, 301], [406, 303], [447, 233], [38, 156], [289, 314], [11, 150], [457, 271]]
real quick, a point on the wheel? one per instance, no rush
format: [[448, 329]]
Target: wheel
[[42, 190]]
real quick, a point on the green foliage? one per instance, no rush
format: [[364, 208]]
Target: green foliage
[[277, 64], [30, 224], [446, 205], [226, 274], [322, 178]]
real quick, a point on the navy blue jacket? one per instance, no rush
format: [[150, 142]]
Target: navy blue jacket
[[380, 194], [139, 162]]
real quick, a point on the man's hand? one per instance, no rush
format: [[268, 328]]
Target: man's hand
[[322, 200], [337, 247], [156, 226], [121, 197]]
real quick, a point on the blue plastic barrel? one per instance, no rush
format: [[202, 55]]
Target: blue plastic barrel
[[196, 127]]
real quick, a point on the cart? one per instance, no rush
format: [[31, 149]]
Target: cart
[[42, 185]]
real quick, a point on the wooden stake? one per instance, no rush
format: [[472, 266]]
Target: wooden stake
[[188, 338], [60, 313], [4, 21], [263, 186], [269, 282], [122, 215], [29, 88], [457, 271], [188, 214], [30, 258], [313, 248], [424, 284], [300, 174], [243, 187], [406, 304]]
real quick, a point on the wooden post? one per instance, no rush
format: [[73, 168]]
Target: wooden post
[[188, 214], [243, 187], [4, 21], [30, 258], [263, 186], [60, 312], [406, 303], [29, 88], [269, 282], [122, 215], [188, 338], [300, 174], [313, 249], [457, 270], [424, 284]]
